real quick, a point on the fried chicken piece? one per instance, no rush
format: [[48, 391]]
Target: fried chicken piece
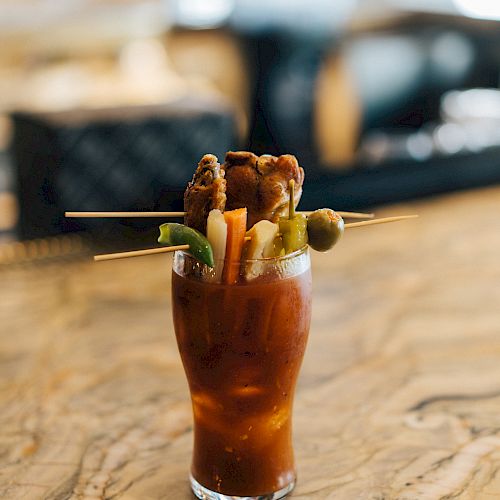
[[261, 184], [206, 191]]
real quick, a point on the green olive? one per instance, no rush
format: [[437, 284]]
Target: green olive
[[324, 229]]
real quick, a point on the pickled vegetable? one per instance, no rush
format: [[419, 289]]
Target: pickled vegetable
[[217, 237], [262, 235], [324, 228], [293, 228], [293, 232], [236, 221], [261, 245], [172, 234]]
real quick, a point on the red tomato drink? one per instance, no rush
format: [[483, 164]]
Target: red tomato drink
[[242, 347]]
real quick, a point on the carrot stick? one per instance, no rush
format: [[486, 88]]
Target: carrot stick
[[236, 221]]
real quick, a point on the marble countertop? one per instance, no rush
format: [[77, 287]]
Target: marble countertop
[[399, 395]]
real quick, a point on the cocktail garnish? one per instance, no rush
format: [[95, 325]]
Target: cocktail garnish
[[324, 228], [151, 251], [256, 188], [217, 236], [206, 191], [293, 228], [236, 221], [164, 215], [260, 183], [261, 244], [172, 233]]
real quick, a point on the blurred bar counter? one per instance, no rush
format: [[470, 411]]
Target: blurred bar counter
[[398, 396]]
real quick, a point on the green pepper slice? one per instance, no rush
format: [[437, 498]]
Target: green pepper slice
[[293, 232], [294, 228], [173, 233]]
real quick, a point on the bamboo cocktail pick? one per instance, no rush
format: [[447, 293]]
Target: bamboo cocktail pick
[[103, 215], [139, 253], [152, 251], [383, 220]]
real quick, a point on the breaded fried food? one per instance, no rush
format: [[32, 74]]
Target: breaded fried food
[[261, 184], [206, 191]]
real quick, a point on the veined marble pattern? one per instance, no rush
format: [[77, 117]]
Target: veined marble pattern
[[399, 396]]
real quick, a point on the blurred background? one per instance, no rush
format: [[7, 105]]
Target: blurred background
[[109, 104]]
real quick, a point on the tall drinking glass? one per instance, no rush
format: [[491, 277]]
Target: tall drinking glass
[[242, 346]]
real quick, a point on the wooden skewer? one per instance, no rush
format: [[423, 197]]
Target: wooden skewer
[[347, 215], [139, 253], [147, 251], [102, 215], [152, 251], [383, 220]]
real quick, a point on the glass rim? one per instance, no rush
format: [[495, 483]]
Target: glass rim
[[267, 260]]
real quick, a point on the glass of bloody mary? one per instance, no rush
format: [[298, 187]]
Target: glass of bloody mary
[[242, 346]]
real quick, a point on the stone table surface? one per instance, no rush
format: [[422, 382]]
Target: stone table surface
[[399, 395]]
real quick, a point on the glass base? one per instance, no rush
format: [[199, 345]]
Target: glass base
[[206, 494]]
